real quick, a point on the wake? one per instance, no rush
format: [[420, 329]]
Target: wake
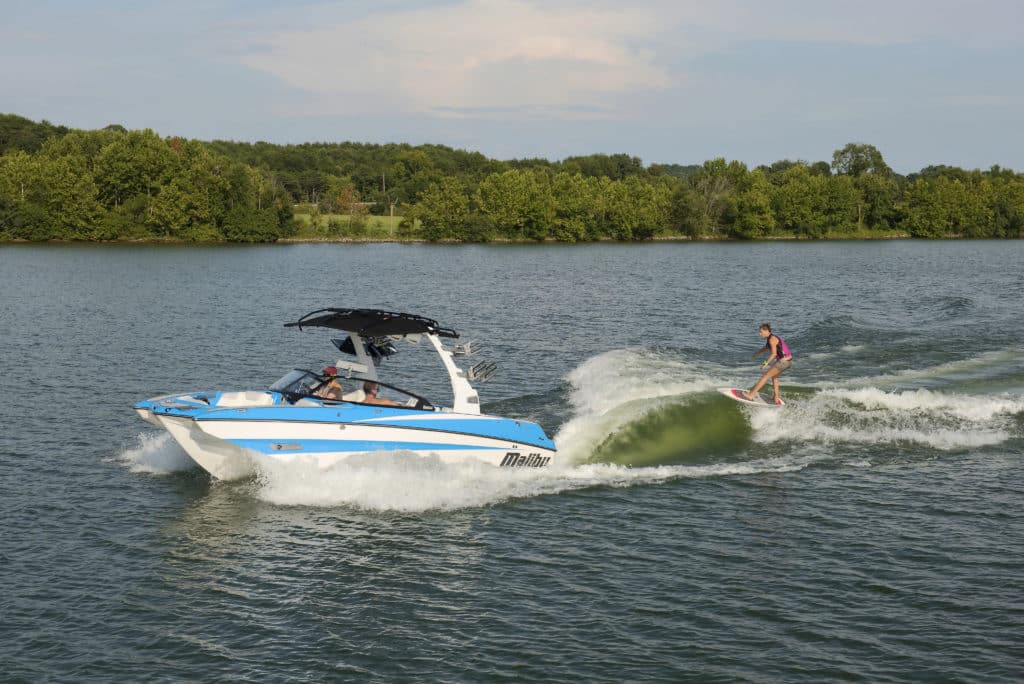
[[639, 417]]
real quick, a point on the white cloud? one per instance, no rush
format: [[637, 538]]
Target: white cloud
[[571, 59], [478, 58]]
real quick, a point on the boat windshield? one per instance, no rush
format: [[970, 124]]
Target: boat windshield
[[297, 383], [303, 383]]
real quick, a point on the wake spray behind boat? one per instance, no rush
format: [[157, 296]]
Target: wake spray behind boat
[[229, 434]]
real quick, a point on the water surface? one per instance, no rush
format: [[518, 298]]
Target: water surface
[[873, 529]]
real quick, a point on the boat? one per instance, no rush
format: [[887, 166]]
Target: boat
[[231, 434]]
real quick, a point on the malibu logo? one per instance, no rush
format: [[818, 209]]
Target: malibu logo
[[514, 459]]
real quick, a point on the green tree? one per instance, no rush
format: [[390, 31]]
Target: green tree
[[1008, 207], [576, 207], [135, 163], [19, 133], [794, 201], [614, 166], [856, 159], [518, 204], [715, 184], [70, 198], [195, 201], [686, 212], [753, 207], [409, 177], [443, 210], [812, 205], [877, 206], [838, 202], [19, 173], [940, 207]]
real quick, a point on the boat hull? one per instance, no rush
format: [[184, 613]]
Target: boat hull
[[223, 460], [236, 449]]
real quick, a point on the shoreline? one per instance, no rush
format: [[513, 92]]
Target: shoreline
[[419, 241]]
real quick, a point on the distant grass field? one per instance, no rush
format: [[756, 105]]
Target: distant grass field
[[340, 226]]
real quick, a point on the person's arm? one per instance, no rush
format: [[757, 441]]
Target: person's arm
[[759, 351], [378, 401]]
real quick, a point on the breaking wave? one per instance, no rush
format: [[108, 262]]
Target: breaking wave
[[621, 388]]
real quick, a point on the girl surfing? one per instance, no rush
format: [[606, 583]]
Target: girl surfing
[[779, 358]]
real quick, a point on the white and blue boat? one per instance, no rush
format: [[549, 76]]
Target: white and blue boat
[[231, 433]]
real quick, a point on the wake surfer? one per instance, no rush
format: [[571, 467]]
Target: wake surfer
[[779, 358]]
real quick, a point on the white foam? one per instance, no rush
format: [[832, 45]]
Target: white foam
[[963, 406], [845, 349], [156, 453], [873, 416], [396, 481]]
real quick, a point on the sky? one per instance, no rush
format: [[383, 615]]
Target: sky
[[670, 81]]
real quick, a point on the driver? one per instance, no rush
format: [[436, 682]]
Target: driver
[[371, 388], [331, 388]]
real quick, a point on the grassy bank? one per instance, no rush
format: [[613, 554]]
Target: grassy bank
[[342, 227]]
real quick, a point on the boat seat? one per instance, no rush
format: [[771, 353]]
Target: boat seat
[[306, 401], [244, 399], [355, 395]]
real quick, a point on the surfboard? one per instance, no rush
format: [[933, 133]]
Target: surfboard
[[737, 395]]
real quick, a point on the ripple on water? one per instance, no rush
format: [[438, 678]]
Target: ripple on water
[[874, 533]]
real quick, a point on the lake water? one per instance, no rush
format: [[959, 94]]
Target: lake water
[[873, 529]]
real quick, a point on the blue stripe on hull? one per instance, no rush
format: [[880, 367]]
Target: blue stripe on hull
[[518, 431], [317, 446]]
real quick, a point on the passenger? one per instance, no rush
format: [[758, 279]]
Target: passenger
[[371, 388], [331, 389]]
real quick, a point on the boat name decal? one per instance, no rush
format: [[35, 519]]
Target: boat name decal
[[515, 459]]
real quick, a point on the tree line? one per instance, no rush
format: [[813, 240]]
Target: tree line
[[57, 183], [856, 195], [114, 184]]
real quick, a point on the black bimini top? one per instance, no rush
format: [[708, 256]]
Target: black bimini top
[[371, 323]]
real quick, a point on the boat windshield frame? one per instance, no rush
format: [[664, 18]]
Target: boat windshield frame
[[308, 390], [286, 384]]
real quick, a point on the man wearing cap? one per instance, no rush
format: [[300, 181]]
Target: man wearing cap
[[331, 389]]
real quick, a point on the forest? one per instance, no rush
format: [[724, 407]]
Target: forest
[[58, 183]]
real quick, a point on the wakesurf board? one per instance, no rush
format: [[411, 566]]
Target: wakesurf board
[[758, 400]]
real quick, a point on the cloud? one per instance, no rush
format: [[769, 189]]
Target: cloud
[[569, 59], [474, 59]]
